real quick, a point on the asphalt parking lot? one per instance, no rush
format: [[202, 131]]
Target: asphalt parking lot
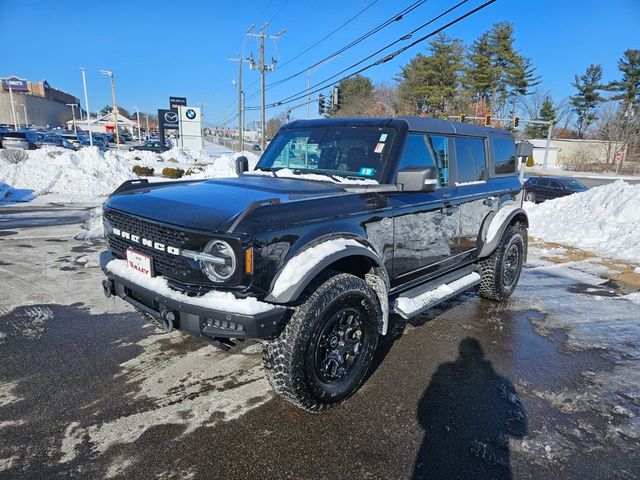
[[545, 385]]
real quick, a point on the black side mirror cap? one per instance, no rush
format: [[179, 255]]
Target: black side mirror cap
[[414, 178], [242, 165]]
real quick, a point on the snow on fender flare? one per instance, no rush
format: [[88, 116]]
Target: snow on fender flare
[[308, 262], [496, 226]]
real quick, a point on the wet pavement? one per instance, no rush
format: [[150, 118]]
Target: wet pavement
[[545, 385]]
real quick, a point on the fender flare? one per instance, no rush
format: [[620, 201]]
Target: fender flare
[[495, 226], [291, 280]]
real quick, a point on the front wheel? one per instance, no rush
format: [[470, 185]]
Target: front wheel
[[326, 348]]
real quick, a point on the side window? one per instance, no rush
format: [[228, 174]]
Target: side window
[[504, 151], [555, 184], [543, 182], [470, 159], [428, 151]]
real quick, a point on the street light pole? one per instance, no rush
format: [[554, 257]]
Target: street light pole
[[109, 74], [26, 119], [146, 118], [73, 116], [138, 118], [309, 72], [13, 108], [86, 104]]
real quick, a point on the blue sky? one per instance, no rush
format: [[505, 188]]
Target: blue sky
[[162, 48]]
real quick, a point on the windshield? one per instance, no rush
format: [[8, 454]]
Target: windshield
[[570, 183], [352, 152]]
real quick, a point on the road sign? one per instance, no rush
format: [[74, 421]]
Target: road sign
[[175, 102], [618, 156]]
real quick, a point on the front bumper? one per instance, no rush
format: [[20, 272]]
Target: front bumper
[[205, 323]]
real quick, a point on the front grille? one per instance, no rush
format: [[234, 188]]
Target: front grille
[[163, 263]]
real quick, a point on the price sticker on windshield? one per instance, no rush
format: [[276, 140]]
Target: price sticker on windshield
[[379, 147]]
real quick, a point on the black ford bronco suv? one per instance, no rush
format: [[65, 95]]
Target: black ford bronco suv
[[341, 224]]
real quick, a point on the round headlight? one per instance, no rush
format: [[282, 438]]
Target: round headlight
[[223, 270]]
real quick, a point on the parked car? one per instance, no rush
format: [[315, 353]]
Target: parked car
[[73, 139], [20, 140], [397, 216], [98, 142], [541, 188], [126, 137], [256, 148], [54, 141], [150, 146]]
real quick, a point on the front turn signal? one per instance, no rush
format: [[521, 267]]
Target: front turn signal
[[248, 260]]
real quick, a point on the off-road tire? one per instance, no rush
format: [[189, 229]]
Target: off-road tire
[[495, 284], [291, 360], [530, 197]]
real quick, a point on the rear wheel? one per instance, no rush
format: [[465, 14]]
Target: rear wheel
[[530, 197], [324, 352], [501, 270]]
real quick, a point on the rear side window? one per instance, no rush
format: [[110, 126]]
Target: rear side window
[[470, 159], [427, 151], [504, 154]]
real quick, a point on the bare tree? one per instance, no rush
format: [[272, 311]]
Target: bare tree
[[618, 127]]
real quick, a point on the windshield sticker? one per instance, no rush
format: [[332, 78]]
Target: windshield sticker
[[379, 148], [367, 171], [383, 137]]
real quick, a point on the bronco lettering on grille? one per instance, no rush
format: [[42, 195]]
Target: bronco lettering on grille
[[146, 242]]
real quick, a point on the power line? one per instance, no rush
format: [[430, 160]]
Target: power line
[[404, 37], [395, 18], [318, 88]]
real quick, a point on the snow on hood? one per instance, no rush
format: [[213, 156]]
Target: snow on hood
[[604, 220], [288, 173]]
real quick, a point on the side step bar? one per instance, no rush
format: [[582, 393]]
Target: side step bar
[[417, 300]]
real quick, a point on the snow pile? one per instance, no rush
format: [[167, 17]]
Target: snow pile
[[81, 176], [225, 166], [92, 227], [604, 220], [10, 194]]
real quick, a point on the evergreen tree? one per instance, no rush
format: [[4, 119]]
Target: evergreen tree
[[628, 88], [588, 97], [548, 114], [357, 97], [496, 73], [429, 84]]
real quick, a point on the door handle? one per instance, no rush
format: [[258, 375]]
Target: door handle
[[449, 209]]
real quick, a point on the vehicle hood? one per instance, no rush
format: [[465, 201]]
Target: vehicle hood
[[213, 204]]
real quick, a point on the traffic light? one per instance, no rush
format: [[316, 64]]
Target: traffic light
[[462, 117], [336, 98], [516, 122], [321, 104], [487, 120]]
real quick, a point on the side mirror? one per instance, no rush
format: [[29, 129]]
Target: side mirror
[[242, 165], [417, 179]]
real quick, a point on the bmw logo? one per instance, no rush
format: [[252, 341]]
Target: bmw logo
[[190, 114]]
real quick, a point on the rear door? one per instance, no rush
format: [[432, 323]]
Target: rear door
[[477, 200], [425, 223]]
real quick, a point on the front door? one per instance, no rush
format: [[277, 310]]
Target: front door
[[425, 223]]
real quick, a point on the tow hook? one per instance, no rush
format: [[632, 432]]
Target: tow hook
[[167, 317], [107, 287]]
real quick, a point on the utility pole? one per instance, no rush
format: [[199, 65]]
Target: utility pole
[[240, 60], [109, 74], [263, 70], [146, 118], [73, 116], [26, 119]]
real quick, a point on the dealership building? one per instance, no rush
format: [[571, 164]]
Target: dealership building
[[40, 103]]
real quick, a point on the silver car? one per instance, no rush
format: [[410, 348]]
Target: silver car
[[17, 141]]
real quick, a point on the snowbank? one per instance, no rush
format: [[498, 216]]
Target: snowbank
[[604, 220], [81, 176]]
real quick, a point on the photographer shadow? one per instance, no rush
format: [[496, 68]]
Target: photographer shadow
[[468, 412]]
